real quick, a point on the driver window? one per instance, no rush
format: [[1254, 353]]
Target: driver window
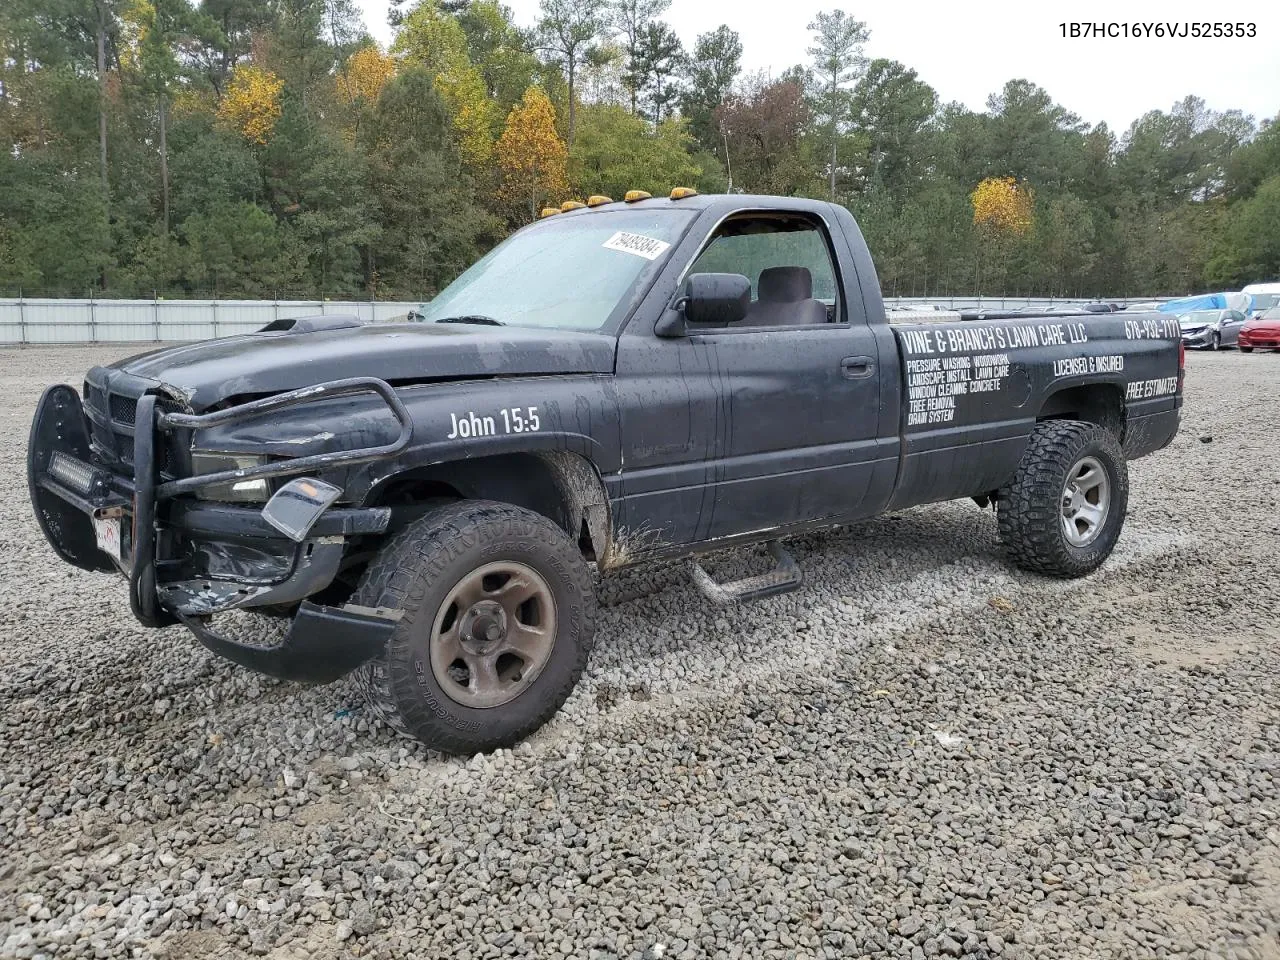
[[788, 261]]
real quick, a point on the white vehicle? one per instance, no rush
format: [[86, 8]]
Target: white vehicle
[[1265, 296]]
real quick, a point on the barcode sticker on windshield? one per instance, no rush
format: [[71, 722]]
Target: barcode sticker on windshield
[[637, 243]]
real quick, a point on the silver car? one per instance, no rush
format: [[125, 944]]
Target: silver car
[[1211, 329]]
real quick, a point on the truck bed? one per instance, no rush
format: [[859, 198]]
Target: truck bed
[[972, 390]]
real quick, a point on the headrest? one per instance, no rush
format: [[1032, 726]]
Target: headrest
[[785, 284]]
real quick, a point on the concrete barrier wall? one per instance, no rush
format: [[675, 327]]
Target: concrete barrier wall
[[125, 321], [128, 321]]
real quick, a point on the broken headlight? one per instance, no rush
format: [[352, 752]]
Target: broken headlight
[[235, 491]]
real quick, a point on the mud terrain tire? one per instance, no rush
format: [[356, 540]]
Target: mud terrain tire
[[1063, 512], [445, 572]]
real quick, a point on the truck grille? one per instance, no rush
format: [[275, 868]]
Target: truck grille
[[111, 406], [123, 409]]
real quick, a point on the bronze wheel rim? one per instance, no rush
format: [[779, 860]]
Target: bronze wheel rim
[[493, 634]]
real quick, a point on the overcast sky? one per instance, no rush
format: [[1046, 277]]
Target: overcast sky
[[967, 51]]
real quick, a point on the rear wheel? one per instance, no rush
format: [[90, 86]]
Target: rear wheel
[[498, 618], [1065, 508]]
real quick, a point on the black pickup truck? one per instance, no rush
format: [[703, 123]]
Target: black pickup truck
[[656, 378]]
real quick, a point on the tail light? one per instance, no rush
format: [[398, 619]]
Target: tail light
[[1182, 363]]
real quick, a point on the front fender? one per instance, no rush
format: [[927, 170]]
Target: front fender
[[452, 421]]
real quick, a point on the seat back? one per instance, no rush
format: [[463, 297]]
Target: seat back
[[785, 299]]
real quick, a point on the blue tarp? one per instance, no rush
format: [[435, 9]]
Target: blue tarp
[[1206, 301]]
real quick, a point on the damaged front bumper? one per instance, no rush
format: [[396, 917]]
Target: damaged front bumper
[[187, 559]]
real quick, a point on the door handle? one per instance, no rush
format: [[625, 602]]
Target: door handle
[[857, 368]]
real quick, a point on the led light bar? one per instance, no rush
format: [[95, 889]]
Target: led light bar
[[69, 471]]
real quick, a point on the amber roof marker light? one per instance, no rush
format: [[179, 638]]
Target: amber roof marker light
[[598, 200], [680, 193], [549, 211], [633, 195], [571, 205]]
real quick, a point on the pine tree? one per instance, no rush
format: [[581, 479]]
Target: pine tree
[[837, 62]]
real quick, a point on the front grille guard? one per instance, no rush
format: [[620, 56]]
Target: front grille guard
[[143, 597]]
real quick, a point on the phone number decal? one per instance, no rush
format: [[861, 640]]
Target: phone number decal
[[1164, 328]]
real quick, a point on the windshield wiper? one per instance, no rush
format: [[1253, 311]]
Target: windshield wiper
[[473, 318]]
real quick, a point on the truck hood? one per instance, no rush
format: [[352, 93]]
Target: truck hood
[[256, 364]]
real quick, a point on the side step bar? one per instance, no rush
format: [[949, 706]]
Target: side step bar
[[783, 578]]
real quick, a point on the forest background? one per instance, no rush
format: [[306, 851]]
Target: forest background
[[270, 148]]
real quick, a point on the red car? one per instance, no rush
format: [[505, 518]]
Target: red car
[[1263, 331]]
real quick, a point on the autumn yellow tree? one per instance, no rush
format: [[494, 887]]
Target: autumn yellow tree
[[532, 158], [435, 41], [1003, 216], [1003, 205], [359, 83], [252, 102], [367, 72]]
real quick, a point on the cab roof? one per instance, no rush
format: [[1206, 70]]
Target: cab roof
[[725, 203]]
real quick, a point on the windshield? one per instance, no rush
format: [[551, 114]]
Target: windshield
[[1198, 318], [571, 272], [1272, 314], [1265, 301]]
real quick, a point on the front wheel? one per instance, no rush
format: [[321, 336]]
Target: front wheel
[[1063, 512], [498, 618], [1216, 342]]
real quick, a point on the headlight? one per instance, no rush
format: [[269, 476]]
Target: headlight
[[237, 491]]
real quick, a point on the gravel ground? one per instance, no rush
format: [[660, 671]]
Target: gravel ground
[[920, 754]]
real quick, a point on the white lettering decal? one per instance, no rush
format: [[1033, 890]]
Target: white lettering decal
[[918, 341], [944, 363], [1146, 389], [935, 383], [1156, 328], [1078, 366], [514, 420]]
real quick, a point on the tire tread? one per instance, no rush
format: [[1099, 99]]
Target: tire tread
[[1028, 509], [398, 578]]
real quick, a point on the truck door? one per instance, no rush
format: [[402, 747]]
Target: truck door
[[777, 414]]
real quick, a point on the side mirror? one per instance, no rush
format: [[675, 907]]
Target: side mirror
[[713, 299]]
